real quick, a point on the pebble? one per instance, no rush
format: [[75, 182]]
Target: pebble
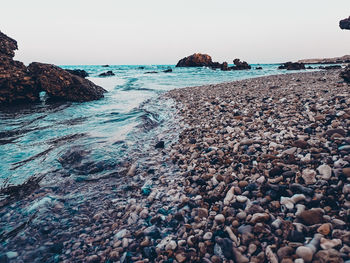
[[325, 171], [220, 219], [324, 229], [309, 176], [305, 253]]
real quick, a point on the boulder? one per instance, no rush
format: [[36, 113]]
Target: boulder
[[292, 66], [21, 84], [7, 46], [240, 65], [62, 85], [345, 74], [16, 84], [78, 72], [196, 60], [107, 74], [345, 23]]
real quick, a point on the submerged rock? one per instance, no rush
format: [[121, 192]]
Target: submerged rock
[[78, 72], [292, 66], [107, 74]]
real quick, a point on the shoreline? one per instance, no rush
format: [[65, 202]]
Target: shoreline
[[215, 193]]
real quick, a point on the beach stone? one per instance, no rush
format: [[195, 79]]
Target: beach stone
[[305, 253], [325, 171], [311, 217], [285, 252], [220, 219], [11, 254], [328, 244], [309, 176], [260, 217], [180, 257], [329, 255], [202, 212], [208, 236], [241, 198], [346, 171], [301, 144], [324, 229]]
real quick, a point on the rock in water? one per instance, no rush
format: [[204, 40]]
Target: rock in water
[[196, 60], [345, 23], [240, 65], [60, 84], [79, 72], [292, 66], [21, 84], [107, 74]]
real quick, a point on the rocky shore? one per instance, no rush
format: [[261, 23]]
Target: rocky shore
[[260, 173]]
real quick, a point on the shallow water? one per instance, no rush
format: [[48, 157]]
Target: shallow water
[[32, 138]]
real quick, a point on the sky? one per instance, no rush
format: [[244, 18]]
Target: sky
[[137, 32]]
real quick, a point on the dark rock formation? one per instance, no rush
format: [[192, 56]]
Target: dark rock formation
[[105, 66], [258, 68], [60, 84], [330, 67], [345, 23], [78, 72], [151, 72], [16, 85], [21, 84], [196, 60], [107, 74], [292, 66], [7, 46], [204, 60], [346, 74], [168, 70], [240, 65]]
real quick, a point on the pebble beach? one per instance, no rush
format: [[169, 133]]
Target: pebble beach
[[255, 170]]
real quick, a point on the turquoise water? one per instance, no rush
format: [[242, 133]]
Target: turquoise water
[[34, 138]]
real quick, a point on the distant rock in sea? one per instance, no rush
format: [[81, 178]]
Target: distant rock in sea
[[109, 73], [345, 23], [336, 60], [204, 60], [21, 84], [292, 66], [196, 60], [78, 72], [240, 65]]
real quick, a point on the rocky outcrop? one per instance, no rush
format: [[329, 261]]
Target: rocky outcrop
[[336, 60], [240, 65], [109, 73], [21, 84], [204, 60], [62, 85], [345, 23], [196, 60], [346, 74], [292, 66], [78, 72]]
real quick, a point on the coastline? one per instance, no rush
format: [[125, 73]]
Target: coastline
[[266, 161], [215, 194]]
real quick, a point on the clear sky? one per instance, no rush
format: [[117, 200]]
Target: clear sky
[[163, 31]]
